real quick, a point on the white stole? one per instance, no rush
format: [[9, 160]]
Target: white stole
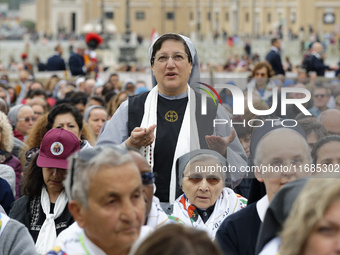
[[188, 139], [48, 234], [157, 217]]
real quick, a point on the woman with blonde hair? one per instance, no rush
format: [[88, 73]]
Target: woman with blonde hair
[[6, 146], [51, 83], [115, 102], [313, 225]]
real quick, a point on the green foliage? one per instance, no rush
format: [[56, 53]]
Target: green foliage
[[30, 25]]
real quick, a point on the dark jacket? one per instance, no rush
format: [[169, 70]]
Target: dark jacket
[[8, 159], [21, 211], [316, 65], [55, 63], [6, 195], [274, 60], [238, 233], [76, 63]]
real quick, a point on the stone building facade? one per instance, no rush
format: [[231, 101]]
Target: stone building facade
[[204, 17]]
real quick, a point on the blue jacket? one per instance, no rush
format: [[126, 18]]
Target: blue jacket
[[76, 63], [6, 195], [274, 60], [55, 63]]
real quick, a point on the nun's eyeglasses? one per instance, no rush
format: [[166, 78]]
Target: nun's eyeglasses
[[197, 178], [177, 57]]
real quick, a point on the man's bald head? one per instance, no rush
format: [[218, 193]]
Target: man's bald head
[[330, 119], [317, 47]]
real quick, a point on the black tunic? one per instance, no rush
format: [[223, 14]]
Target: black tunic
[[168, 128]]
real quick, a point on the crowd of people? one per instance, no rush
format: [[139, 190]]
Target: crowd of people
[[92, 167]]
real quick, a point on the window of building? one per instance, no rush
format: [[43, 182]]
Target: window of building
[[247, 17], [140, 15], [109, 15], [227, 16], [269, 17], [329, 18], [170, 15], [209, 16], [191, 16]]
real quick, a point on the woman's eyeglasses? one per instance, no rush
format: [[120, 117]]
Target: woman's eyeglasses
[[177, 57], [28, 119], [197, 178], [148, 178]]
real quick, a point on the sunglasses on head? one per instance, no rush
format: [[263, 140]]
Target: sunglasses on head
[[148, 178], [197, 178], [87, 154]]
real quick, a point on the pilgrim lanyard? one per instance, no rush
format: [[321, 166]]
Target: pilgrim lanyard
[[83, 244]]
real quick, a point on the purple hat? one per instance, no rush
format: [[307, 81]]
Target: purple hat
[[57, 145]]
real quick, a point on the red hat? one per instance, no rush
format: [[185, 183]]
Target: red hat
[[93, 36], [57, 145], [23, 55]]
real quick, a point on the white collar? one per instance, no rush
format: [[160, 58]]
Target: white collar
[[262, 206], [274, 49], [91, 247], [316, 54]]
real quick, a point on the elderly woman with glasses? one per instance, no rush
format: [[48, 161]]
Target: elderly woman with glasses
[[167, 122], [206, 202], [22, 119]]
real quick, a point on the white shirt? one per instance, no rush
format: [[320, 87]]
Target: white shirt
[[262, 206]]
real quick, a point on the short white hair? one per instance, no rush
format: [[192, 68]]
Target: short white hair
[[83, 169]]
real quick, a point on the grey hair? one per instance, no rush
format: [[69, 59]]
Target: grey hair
[[313, 127], [323, 114], [259, 154], [83, 170], [204, 158]]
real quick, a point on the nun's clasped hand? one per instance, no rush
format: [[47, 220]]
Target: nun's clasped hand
[[141, 137]]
